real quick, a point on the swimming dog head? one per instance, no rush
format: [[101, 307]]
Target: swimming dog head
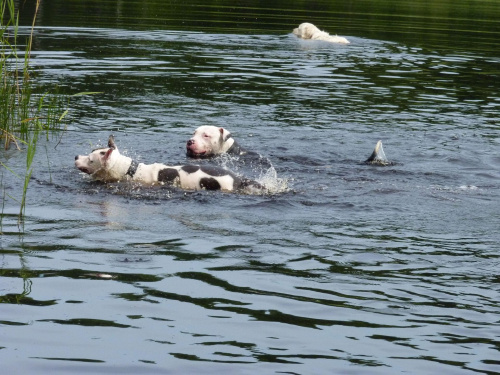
[[306, 30], [309, 31], [209, 141], [101, 163]]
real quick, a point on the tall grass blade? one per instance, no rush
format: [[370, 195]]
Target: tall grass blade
[[25, 114]]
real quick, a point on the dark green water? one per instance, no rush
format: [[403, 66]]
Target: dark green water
[[349, 269]]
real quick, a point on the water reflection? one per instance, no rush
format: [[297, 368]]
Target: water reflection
[[385, 83], [436, 23]]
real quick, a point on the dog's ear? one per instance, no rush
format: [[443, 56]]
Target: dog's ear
[[224, 134], [108, 154], [111, 142], [221, 138]]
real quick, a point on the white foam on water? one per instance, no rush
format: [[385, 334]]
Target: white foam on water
[[468, 187]]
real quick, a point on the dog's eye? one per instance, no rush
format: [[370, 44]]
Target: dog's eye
[[103, 152], [206, 136]]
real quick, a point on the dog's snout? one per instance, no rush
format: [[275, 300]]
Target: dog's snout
[[190, 142]]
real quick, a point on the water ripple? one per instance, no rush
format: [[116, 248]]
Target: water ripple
[[349, 265]]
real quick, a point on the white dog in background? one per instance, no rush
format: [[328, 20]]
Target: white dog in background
[[208, 141], [309, 31]]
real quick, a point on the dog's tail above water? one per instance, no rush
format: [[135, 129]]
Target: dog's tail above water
[[378, 156]]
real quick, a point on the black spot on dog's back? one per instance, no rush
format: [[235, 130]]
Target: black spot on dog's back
[[209, 183], [190, 168], [168, 175], [211, 171], [215, 171]]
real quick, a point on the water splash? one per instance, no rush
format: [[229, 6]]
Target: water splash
[[257, 167], [272, 183]]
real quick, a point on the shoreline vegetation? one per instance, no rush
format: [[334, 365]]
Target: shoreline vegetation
[[25, 114]]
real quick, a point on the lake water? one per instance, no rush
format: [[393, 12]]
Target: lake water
[[343, 268]]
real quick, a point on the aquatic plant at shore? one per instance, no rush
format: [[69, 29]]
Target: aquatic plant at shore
[[25, 114]]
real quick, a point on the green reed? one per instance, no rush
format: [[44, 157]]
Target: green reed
[[25, 113]]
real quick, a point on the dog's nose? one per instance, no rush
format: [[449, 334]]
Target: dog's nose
[[76, 157], [190, 142]]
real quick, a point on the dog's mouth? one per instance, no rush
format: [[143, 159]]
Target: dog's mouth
[[84, 170], [193, 154]]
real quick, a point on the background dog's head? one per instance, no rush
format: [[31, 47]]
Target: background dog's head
[[306, 30], [208, 141]]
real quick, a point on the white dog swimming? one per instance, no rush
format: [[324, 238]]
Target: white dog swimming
[[108, 165], [309, 31]]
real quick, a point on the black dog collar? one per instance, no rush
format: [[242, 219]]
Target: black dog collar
[[133, 168]]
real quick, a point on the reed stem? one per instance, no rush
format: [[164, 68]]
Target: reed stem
[[24, 113]]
